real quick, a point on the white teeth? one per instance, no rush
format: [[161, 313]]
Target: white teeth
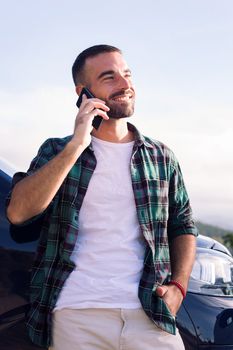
[[123, 98]]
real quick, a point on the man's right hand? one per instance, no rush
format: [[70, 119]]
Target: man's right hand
[[89, 108]]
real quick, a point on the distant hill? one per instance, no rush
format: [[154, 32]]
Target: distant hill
[[211, 230], [216, 233]]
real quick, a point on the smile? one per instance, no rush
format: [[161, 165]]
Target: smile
[[122, 98]]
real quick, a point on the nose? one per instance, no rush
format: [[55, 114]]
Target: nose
[[124, 82]]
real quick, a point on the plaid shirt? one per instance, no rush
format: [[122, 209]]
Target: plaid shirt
[[163, 212]]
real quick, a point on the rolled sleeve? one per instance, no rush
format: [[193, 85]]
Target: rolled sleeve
[[30, 229], [180, 213]]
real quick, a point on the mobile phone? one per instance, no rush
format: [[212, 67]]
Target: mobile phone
[[97, 119]]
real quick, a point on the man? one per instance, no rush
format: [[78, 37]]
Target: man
[[117, 241]]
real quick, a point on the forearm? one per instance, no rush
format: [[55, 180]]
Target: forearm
[[182, 255], [33, 194]]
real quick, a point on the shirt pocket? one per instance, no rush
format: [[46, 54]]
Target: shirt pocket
[[159, 306]]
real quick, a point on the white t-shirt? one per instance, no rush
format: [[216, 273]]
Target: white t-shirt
[[110, 248]]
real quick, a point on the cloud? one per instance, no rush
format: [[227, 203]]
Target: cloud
[[200, 134], [27, 119]]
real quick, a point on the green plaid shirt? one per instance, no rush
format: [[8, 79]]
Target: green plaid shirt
[[163, 212]]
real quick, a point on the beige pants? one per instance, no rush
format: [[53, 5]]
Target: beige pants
[[109, 329]]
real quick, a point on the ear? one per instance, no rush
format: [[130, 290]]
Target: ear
[[78, 88]]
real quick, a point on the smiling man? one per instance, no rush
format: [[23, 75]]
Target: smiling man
[[116, 236]]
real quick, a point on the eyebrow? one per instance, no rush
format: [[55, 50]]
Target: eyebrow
[[111, 72]]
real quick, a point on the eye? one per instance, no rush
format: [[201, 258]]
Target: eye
[[109, 77], [128, 75]]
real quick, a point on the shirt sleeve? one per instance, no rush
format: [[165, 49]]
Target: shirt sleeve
[[180, 219], [30, 229]]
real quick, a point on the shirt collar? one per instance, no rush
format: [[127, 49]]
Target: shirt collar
[[140, 140]]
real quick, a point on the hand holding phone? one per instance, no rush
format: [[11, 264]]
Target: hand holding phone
[[97, 119]]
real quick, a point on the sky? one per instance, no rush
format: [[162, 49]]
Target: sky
[[180, 53]]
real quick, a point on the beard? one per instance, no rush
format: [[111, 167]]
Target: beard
[[120, 109]]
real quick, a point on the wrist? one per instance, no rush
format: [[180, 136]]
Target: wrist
[[72, 151], [179, 286], [75, 145]]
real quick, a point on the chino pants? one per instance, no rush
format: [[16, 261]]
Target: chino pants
[[109, 329]]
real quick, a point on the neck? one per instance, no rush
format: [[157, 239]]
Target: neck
[[114, 130]]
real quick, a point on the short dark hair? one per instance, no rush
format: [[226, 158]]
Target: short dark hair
[[82, 57]]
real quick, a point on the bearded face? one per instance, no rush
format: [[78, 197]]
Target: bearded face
[[108, 77], [121, 104]]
